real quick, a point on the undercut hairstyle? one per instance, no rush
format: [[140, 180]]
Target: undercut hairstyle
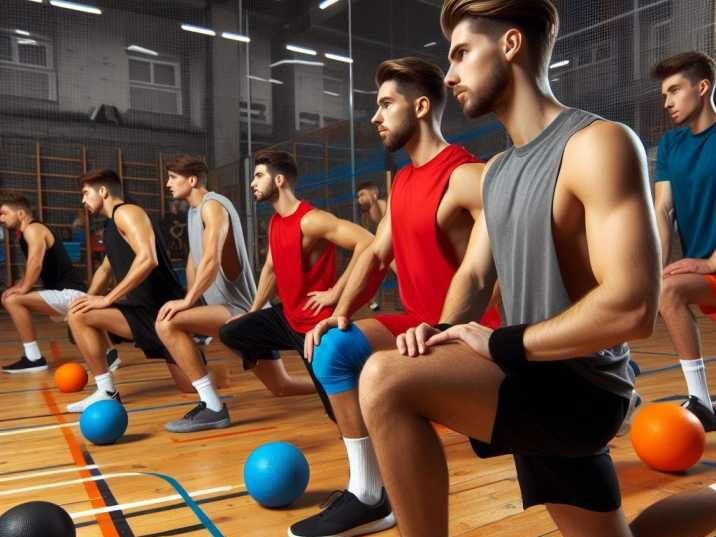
[[538, 20], [103, 178], [18, 202], [188, 165], [278, 162], [417, 77], [696, 66], [368, 185]]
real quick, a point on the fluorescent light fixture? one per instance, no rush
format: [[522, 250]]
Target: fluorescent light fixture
[[366, 92], [296, 62], [301, 50], [37, 1], [84, 8], [26, 42], [431, 44], [236, 37], [22, 32], [338, 57], [331, 93], [327, 3], [142, 50], [198, 29], [269, 80], [559, 64]]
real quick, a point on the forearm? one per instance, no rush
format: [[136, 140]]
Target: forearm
[[32, 275], [138, 272], [665, 227], [99, 282], [467, 299], [266, 289], [600, 320], [340, 285], [366, 269], [203, 278]]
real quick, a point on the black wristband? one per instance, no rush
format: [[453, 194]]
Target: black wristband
[[442, 326], [506, 345]]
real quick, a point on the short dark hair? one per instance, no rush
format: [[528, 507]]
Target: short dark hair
[[188, 165], [102, 178], [278, 162], [537, 19], [695, 66], [18, 202], [417, 75], [368, 185]]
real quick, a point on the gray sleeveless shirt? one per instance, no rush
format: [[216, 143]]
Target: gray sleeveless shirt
[[237, 295], [518, 191]]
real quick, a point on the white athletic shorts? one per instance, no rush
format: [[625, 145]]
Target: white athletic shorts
[[60, 301]]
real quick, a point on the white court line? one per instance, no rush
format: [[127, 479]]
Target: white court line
[[49, 472], [713, 487], [39, 428], [153, 501], [58, 484]]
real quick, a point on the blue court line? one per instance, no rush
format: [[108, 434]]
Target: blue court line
[[129, 411], [120, 522]]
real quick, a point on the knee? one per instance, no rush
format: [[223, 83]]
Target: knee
[[339, 358], [75, 319], [379, 386], [164, 328], [10, 302], [671, 296]]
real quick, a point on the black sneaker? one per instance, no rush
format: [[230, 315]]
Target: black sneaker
[[24, 365], [697, 408], [113, 361], [344, 515], [200, 418]]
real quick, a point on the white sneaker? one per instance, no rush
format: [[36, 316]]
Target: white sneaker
[[634, 403], [80, 406]]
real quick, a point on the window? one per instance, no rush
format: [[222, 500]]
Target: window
[[154, 86], [26, 66]]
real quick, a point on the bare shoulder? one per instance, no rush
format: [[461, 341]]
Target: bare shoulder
[[603, 142], [212, 209], [36, 232], [315, 221], [130, 215]]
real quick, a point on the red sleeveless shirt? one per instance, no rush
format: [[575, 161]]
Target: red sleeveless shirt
[[425, 267], [294, 278]]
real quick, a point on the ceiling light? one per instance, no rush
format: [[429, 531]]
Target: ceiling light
[[559, 64], [198, 29], [142, 50], [301, 50], [236, 37], [338, 57], [76, 7]]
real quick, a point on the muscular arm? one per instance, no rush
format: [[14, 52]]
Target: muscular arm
[[323, 225], [136, 228], [605, 170], [35, 236], [267, 284], [374, 259], [100, 278], [190, 272], [473, 283], [664, 204], [216, 227]]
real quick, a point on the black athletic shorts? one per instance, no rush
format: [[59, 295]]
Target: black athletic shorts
[[141, 319], [557, 425], [259, 335]]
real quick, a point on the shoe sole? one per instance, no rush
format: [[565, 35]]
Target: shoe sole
[[26, 370], [115, 365], [372, 527], [221, 424]]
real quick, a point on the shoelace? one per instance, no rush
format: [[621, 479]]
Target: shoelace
[[194, 411], [336, 499]]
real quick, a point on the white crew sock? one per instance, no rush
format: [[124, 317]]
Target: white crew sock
[[365, 481], [207, 393], [104, 382], [32, 351], [695, 374]]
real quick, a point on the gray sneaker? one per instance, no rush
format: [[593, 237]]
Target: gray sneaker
[[200, 418]]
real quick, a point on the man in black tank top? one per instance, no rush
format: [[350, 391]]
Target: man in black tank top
[[139, 261], [46, 261]]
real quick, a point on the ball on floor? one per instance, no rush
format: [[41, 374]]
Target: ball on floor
[[276, 474], [668, 437], [70, 378], [36, 519], [104, 422]]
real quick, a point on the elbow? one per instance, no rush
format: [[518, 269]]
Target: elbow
[[639, 321]]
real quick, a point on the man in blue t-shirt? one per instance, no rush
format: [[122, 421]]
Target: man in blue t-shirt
[[686, 192]]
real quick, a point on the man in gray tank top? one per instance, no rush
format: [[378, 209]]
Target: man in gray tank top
[[568, 229], [218, 271]]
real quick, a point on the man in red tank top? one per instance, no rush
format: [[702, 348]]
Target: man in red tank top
[[300, 268], [426, 230]]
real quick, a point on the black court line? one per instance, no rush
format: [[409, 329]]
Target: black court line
[[177, 531], [120, 523], [170, 507], [38, 469], [129, 411], [677, 398]]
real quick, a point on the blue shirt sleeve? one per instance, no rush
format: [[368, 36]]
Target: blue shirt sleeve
[[662, 160]]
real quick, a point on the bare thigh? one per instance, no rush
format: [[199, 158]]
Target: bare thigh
[[109, 320], [693, 288], [204, 320], [34, 302]]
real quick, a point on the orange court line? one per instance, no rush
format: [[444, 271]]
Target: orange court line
[[221, 435], [103, 519]]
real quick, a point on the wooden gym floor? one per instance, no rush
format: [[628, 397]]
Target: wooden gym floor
[[44, 457]]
